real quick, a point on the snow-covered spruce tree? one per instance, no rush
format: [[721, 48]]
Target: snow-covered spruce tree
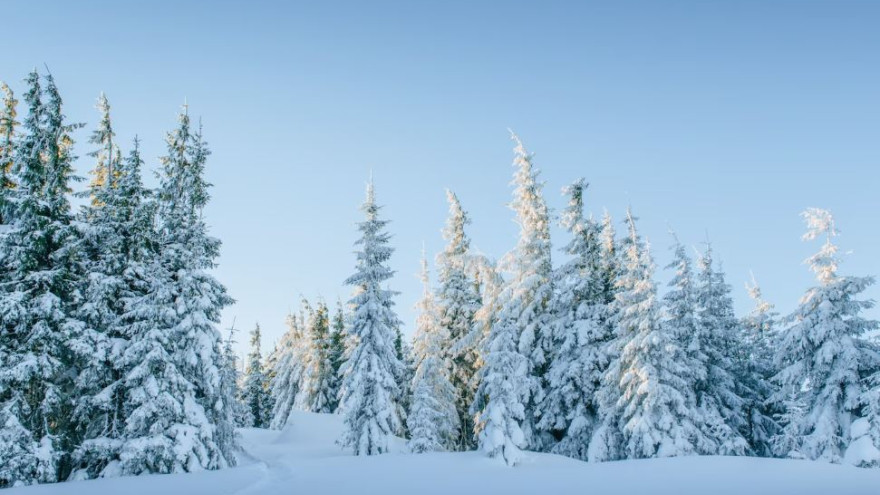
[[719, 395], [756, 365], [255, 393], [529, 289], [433, 418], [457, 301], [318, 386], [644, 394], [7, 151], [822, 356], [38, 297], [337, 356], [118, 246], [179, 417], [502, 393], [231, 377], [370, 389], [287, 371], [580, 331]]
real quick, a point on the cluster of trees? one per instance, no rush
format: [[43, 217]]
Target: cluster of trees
[[110, 361], [587, 360]]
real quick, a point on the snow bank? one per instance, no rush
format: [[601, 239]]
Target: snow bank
[[303, 458]]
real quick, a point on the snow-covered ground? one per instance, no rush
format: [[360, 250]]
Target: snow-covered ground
[[303, 459]]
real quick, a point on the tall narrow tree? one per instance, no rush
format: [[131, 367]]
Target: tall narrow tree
[[529, 288], [433, 418], [179, 417], [39, 271], [255, 388], [370, 390], [457, 301]]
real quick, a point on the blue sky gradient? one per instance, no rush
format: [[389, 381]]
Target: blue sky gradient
[[718, 119]]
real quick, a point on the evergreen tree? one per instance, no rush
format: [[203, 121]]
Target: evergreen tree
[[370, 390], [580, 332], [756, 363], [822, 357], [530, 288], [318, 377], [645, 390], [255, 390], [7, 151], [457, 302], [118, 246], [38, 296], [717, 392], [433, 418], [337, 356], [231, 379], [288, 369], [179, 418]]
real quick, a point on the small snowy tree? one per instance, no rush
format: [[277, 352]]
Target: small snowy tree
[[370, 390], [337, 356], [457, 301], [287, 371], [433, 418], [821, 356], [255, 389], [318, 380], [580, 331]]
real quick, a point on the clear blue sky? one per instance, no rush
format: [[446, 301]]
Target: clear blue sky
[[726, 118]]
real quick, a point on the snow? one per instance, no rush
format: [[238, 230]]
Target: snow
[[304, 458]]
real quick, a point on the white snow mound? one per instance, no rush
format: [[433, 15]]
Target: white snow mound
[[304, 458]]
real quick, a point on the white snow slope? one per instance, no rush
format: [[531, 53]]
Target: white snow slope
[[304, 459]]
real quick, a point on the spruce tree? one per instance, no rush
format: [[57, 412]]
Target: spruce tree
[[287, 372], [179, 418], [318, 393], [645, 391], [822, 357], [718, 392], [337, 356], [433, 418], [580, 333], [7, 151], [255, 388], [39, 273], [118, 246], [529, 289], [457, 301], [756, 363], [370, 389]]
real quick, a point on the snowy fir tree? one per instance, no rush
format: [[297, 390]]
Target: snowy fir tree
[[38, 298], [457, 301], [179, 418], [756, 365], [822, 356], [718, 333], [118, 246], [529, 289], [580, 332], [337, 354], [318, 380], [288, 369], [255, 392], [8, 114], [645, 394], [231, 378], [371, 391], [433, 418]]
